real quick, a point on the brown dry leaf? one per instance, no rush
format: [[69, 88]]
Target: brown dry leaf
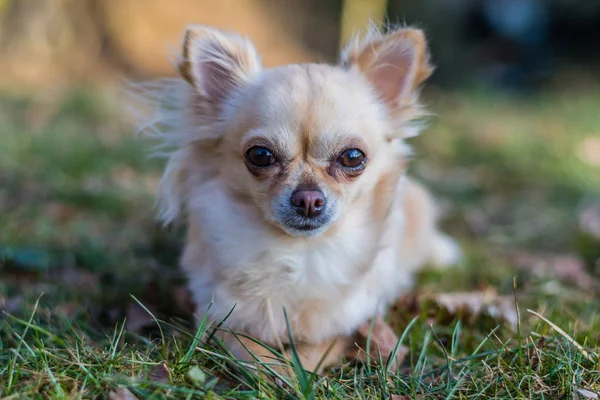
[[122, 394], [399, 397], [381, 334], [535, 353], [404, 309], [410, 303], [383, 340], [477, 303], [138, 318], [565, 267], [159, 373]]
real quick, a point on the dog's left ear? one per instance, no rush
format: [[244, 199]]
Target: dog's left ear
[[395, 64], [216, 62]]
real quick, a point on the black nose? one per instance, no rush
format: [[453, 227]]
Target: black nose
[[308, 203]]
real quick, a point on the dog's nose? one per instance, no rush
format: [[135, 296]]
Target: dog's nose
[[308, 203]]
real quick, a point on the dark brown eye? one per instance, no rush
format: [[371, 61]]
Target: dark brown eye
[[260, 156], [352, 158]]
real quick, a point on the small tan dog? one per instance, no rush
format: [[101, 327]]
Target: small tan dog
[[292, 183]]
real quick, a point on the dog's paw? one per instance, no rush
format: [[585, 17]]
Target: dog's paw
[[383, 342]]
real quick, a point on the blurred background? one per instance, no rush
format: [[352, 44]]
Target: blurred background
[[507, 43], [512, 151]]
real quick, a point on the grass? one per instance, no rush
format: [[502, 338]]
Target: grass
[[83, 264]]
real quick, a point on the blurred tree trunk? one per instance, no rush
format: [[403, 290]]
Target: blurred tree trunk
[[65, 41], [50, 39]]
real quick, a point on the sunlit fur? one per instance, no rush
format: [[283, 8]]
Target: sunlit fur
[[239, 254]]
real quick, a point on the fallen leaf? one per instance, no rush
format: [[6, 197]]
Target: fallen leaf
[[409, 302], [382, 341], [534, 361], [159, 373], [473, 304], [138, 318], [535, 353], [122, 394]]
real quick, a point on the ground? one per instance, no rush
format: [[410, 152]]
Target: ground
[[86, 274]]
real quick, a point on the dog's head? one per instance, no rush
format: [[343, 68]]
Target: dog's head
[[302, 142]]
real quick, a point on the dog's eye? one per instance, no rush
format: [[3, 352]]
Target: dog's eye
[[352, 158], [260, 156]]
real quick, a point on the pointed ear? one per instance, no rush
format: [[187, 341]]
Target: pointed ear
[[395, 63], [215, 62]]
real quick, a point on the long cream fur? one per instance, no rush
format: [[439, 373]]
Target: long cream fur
[[237, 256]]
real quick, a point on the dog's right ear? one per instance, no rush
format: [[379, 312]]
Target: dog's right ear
[[216, 63], [395, 63]]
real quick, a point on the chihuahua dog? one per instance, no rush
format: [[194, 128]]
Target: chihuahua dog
[[300, 220]]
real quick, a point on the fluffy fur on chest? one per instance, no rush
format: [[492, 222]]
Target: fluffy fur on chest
[[327, 285]]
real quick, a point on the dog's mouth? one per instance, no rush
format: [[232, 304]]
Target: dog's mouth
[[306, 226]]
